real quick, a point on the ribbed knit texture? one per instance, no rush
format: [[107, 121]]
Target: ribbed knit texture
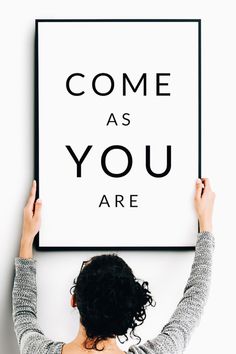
[[174, 335]]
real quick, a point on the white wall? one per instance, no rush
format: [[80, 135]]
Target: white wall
[[167, 272]]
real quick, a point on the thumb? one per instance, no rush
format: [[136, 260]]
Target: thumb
[[199, 186], [38, 208]]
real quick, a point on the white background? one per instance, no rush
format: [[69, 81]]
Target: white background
[[133, 48], [167, 272]]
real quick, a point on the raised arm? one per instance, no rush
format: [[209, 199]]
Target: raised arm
[[29, 336], [177, 332]]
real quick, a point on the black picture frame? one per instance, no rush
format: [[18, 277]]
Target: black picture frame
[[36, 132]]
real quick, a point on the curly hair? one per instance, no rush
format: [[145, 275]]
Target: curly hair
[[110, 299]]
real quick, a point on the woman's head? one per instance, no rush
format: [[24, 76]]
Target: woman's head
[[109, 298]]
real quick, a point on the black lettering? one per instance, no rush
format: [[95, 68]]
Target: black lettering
[[168, 167], [78, 162], [103, 161]]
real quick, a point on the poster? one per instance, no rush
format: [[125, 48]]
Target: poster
[[117, 132]]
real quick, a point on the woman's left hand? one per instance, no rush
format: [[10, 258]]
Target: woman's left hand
[[31, 223]]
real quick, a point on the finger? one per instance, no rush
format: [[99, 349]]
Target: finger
[[199, 187], [38, 208], [31, 199]]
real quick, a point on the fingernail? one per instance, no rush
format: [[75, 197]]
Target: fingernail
[[199, 180], [39, 200]]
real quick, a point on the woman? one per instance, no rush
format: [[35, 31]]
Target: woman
[[108, 296]]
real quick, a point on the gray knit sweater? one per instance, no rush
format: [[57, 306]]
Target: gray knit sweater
[[174, 335]]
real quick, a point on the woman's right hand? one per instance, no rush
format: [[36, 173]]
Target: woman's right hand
[[204, 201]]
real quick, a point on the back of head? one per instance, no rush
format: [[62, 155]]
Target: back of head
[[110, 299]]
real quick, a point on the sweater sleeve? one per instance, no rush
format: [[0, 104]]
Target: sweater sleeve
[[176, 333], [30, 338]]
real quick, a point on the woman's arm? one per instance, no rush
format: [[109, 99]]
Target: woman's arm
[[29, 336], [177, 332], [24, 293]]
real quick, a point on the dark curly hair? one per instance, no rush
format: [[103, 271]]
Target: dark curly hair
[[110, 299]]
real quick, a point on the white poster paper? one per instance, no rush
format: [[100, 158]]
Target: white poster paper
[[118, 139]]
